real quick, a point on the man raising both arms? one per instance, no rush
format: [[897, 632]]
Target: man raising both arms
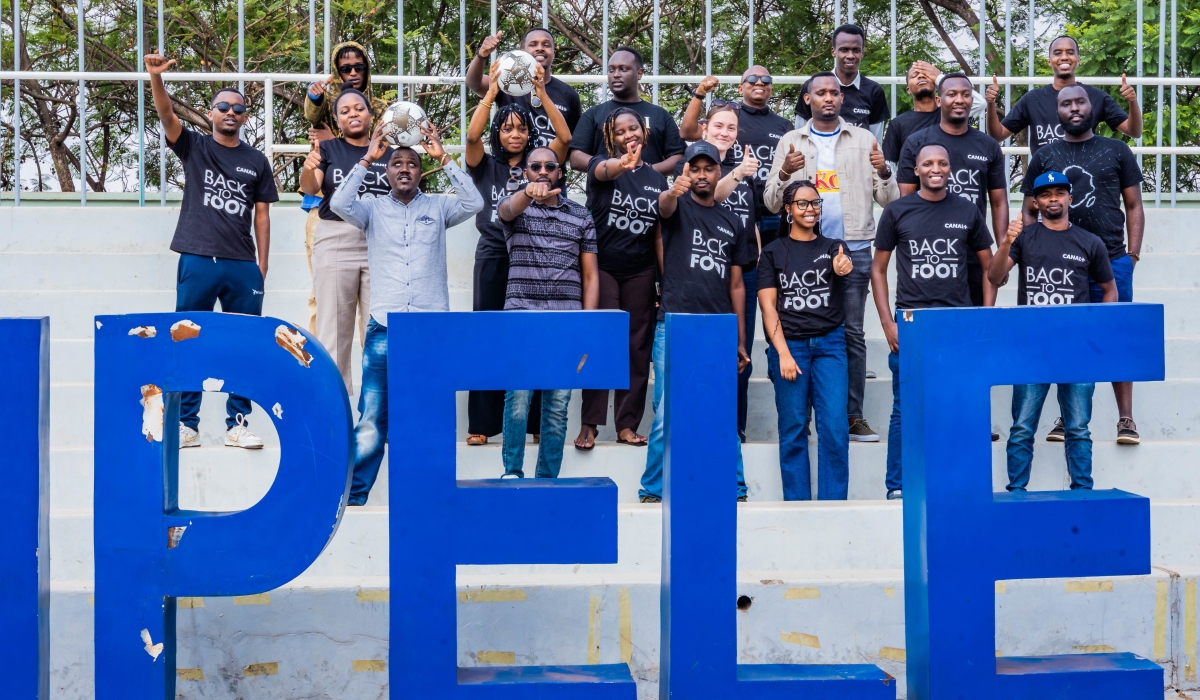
[[1038, 109], [538, 43], [227, 185], [864, 104], [662, 147]]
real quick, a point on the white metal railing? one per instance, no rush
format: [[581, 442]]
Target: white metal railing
[[896, 78]]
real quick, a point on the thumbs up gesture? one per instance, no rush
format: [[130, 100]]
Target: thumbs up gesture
[[489, 45], [313, 160], [793, 161], [993, 91], [877, 160], [749, 165], [1127, 90], [842, 264], [1014, 230], [683, 182]]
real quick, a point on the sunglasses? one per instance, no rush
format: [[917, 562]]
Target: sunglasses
[[807, 204], [718, 102], [753, 79], [515, 177], [549, 167], [353, 68], [223, 107]]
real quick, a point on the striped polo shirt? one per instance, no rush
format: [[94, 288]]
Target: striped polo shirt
[[544, 247]]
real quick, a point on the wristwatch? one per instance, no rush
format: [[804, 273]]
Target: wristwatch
[[697, 95]]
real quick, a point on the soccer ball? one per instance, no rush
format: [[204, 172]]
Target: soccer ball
[[404, 120], [516, 73]]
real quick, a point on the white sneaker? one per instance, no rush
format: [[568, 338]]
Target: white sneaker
[[188, 437], [240, 436]]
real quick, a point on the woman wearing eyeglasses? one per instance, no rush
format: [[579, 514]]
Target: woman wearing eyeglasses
[[497, 174], [622, 196], [341, 279], [801, 294]]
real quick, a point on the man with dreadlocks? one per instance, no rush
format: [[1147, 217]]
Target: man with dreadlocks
[[498, 174], [622, 196]]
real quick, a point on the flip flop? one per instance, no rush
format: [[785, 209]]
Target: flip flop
[[477, 439], [643, 442], [590, 444]]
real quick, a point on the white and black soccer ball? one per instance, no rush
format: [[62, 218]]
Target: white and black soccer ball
[[404, 120], [517, 69]]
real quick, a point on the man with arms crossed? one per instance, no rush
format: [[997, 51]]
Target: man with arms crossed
[[227, 185]]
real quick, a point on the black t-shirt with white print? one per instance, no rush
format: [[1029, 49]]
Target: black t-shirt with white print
[[1098, 170], [1037, 110], [933, 241], [976, 163], [338, 158], [810, 301], [221, 186], [495, 180], [1055, 266], [700, 244], [662, 133], [626, 212], [744, 201], [758, 130], [565, 98], [903, 126]]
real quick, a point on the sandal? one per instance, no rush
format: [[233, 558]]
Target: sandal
[[588, 442], [474, 439], [637, 441]]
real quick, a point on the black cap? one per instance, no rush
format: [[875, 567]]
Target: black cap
[[702, 148]]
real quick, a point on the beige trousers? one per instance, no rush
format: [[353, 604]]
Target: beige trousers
[[310, 231], [342, 284]]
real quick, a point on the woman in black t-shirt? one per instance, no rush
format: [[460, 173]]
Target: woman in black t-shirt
[[497, 174], [801, 294], [341, 278], [622, 196]]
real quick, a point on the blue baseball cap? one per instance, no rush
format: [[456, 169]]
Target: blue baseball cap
[[1050, 178]]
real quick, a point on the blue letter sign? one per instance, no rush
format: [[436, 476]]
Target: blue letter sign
[[25, 507], [960, 537], [438, 522], [148, 551], [699, 571]]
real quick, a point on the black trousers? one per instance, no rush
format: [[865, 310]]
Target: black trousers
[[485, 409], [636, 295]]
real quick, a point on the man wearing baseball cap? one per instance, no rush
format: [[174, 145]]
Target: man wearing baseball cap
[[704, 247], [1057, 260]]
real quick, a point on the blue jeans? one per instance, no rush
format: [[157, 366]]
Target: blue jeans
[[554, 431], [1123, 275], [894, 466], [199, 282], [1075, 402], [822, 378], [751, 280], [652, 477], [856, 293], [370, 434]]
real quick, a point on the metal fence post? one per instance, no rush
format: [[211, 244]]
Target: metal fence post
[[17, 103], [462, 70], [1174, 102], [657, 17], [325, 48], [242, 44], [892, 30], [82, 112], [162, 136], [1162, 37], [269, 121], [312, 36], [603, 91], [141, 88], [750, 35]]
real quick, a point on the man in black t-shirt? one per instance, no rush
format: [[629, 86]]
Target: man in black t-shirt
[[538, 43], [1103, 174], [663, 147], [704, 247], [228, 185], [1038, 108], [1057, 259], [934, 233], [864, 104], [922, 82], [977, 164]]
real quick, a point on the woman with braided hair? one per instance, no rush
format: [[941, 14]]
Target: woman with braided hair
[[497, 174], [622, 196], [801, 295]]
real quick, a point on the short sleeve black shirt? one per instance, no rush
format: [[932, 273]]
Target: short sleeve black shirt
[[662, 142], [1098, 169], [903, 126], [1037, 110], [1055, 266], [338, 158], [220, 188], [758, 130], [626, 213], [745, 200], [862, 106], [495, 180], [565, 98], [810, 301], [976, 163], [932, 241], [700, 244]]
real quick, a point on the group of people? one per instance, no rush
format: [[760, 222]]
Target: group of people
[[757, 214]]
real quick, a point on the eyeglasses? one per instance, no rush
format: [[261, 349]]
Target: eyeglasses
[[515, 177], [353, 68], [549, 166], [223, 107], [718, 102], [764, 79], [807, 204]]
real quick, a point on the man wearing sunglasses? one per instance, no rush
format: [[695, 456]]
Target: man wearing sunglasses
[[228, 187], [865, 105], [552, 267]]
